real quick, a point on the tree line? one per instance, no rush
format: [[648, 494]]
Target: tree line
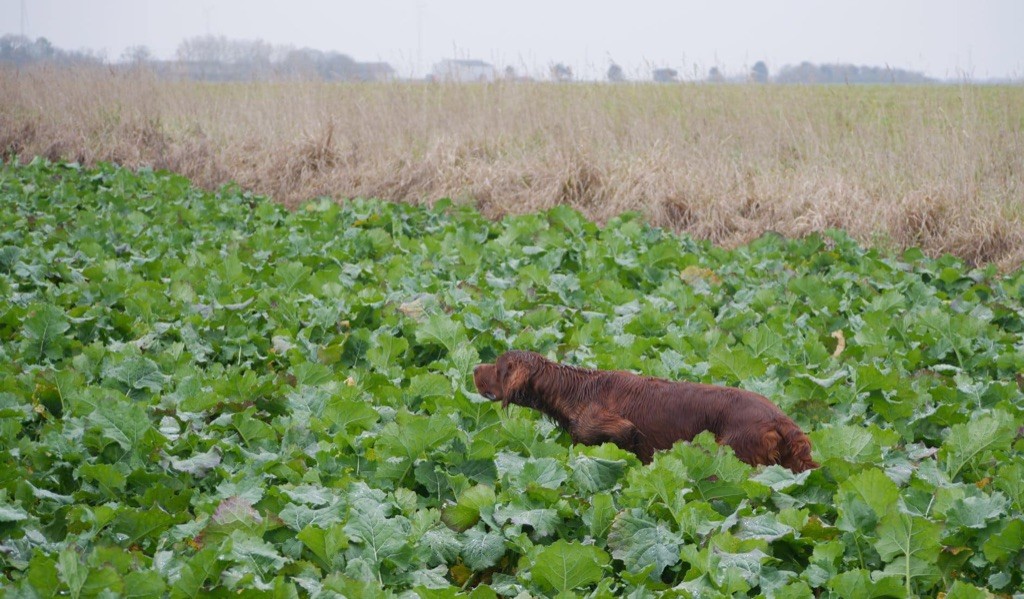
[[209, 57], [804, 73], [21, 51], [217, 58]]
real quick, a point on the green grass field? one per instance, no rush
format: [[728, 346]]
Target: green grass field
[[202, 393]]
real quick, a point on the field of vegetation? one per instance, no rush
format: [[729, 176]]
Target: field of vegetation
[[936, 167], [203, 393]]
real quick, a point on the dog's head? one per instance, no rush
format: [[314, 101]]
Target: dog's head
[[508, 379]]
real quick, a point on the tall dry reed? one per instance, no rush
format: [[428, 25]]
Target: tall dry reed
[[938, 167]]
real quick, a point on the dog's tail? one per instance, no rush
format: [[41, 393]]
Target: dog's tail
[[795, 447]]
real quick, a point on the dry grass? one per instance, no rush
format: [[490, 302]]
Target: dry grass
[[936, 167]]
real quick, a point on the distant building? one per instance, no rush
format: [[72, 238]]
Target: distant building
[[665, 75], [463, 71]]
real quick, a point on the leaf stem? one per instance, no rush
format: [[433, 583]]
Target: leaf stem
[[860, 554], [906, 573]]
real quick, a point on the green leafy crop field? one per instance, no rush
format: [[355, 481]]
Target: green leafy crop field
[[207, 394]]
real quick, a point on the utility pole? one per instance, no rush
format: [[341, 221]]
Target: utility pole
[[419, 39], [22, 18]]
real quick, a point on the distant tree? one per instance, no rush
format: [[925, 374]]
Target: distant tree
[[335, 66], [136, 55], [510, 73], [20, 50], [303, 63], [615, 74], [203, 48], [253, 55], [715, 76], [211, 48], [306, 63], [809, 73], [561, 73], [44, 49], [665, 75], [15, 49], [220, 58], [759, 74]]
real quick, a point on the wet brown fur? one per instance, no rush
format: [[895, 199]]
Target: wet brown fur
[[644, 414]]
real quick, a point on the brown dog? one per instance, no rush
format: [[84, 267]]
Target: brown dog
[[645, 414]]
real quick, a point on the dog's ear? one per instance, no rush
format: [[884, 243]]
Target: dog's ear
[[513, 376]]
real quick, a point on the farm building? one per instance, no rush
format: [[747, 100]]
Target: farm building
[[665, 75], [463, 71]]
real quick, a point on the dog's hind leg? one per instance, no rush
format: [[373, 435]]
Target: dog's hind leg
[[596, 426]]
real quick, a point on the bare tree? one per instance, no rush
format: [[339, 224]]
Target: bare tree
[[203, 48], [255, 53], [136, 55]]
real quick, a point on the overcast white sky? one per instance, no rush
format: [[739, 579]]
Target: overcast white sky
[[942, 38]]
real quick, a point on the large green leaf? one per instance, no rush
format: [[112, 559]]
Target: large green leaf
[[564, 566], [1005, 543], [413, 435], [864, 499], [963, 590], [377, 536], [735, 364], [254, 555], [642, 543], [440, 329], [542, 522], [195, 573], [544, 472], [350, 414], [969, 442], [595, 474], [43, 333], [859, 584], [123, 423], [846, 443], [9, 512], [482, 550], [662, 480], [386, 352], [137, 373], [325, 543], [910, 544], [463, 514], [976, 512]]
